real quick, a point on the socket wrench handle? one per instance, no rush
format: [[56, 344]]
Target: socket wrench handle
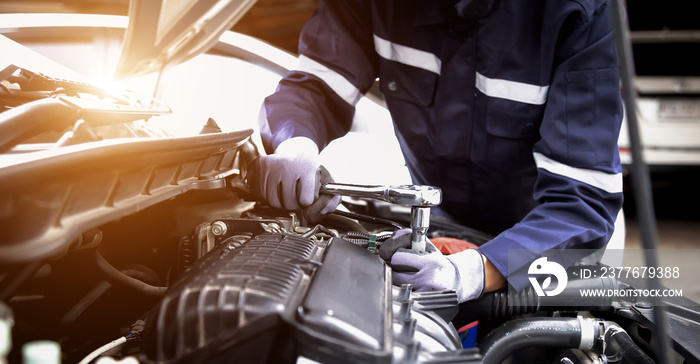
[[404, 195], [418, 198]]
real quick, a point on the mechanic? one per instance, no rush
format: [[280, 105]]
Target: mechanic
[[511, 107]]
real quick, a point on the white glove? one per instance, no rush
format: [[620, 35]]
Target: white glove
[[462, 272], [291, 179]]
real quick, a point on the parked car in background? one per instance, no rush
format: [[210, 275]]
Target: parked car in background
[[666, 46]]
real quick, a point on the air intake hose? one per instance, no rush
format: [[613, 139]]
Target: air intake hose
[[538, 331], [507, 303]]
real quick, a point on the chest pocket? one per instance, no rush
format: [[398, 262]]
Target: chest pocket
[[407, 83]]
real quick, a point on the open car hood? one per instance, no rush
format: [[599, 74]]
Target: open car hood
[[162, 33]]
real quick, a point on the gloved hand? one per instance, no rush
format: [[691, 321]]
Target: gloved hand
[[431, 271], [400, 239], [292, 182]]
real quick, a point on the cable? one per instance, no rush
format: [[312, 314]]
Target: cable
[[96, 293], [114, 276], [85, 302], [640, 174], [318, 228], [358, 242], [371, 219], [341, 223], [15, 278], [365, 236], [362, 239], [103, 349]]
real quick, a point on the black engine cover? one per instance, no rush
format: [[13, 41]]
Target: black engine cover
[[279, 298]]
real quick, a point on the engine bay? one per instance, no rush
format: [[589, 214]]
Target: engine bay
[[209, 275]]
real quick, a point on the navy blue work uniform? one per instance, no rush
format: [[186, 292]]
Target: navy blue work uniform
[[512, 107]]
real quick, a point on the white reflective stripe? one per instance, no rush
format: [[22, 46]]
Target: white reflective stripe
[[511, 90], [611, 183], [407, 55], [344, 88]]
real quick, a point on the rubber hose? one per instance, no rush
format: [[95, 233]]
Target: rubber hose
[[628, 351], [505, 303], [114, 276], [529, 332], [498, 304]]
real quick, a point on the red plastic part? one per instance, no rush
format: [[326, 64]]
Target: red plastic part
[[451, 245]]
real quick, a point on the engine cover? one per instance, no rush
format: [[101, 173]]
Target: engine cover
[[282, 298]]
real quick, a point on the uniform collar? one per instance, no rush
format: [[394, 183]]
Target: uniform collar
[[431, 12]]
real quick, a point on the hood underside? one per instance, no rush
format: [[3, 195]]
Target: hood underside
[[162, 33]]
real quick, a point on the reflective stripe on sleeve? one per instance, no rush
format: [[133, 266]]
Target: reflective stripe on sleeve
[[611, 183], [339, 84], [407, 55], [511, 90]]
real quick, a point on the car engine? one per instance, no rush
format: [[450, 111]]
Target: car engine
[[169, 252]]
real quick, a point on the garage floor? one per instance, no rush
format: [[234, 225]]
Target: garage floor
[[683, 236], [676, 201]]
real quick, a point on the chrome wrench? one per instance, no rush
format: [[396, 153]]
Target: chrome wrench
[[418, 198]]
